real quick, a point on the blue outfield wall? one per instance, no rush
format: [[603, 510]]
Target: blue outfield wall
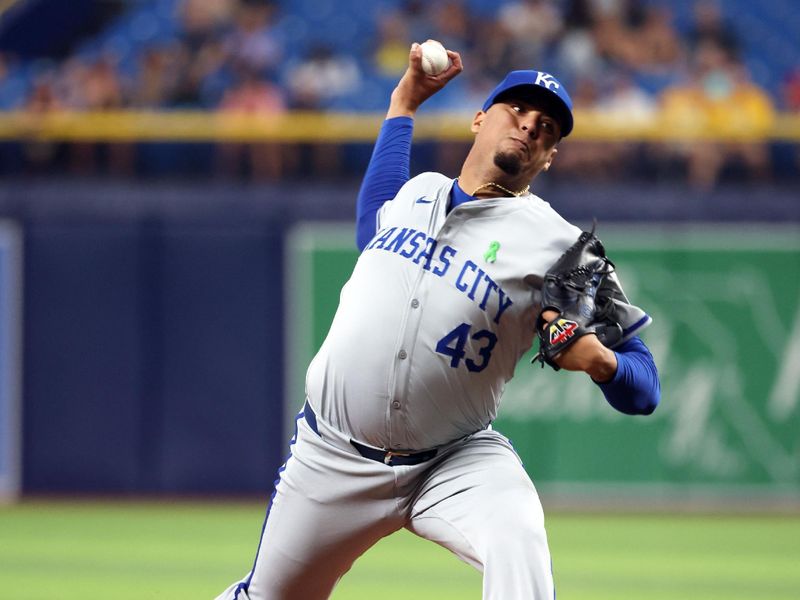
[[154, 320], [152, 355]]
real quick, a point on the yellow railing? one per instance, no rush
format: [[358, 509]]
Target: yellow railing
[[199, 126]]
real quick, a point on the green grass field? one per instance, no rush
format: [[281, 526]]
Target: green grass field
[[177, 550]]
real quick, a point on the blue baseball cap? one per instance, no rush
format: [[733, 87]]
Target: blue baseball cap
[[538, 82]]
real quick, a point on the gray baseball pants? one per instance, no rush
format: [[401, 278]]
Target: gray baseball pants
[[331, 505]]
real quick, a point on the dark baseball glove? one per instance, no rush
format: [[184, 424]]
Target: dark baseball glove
[[570, 288]]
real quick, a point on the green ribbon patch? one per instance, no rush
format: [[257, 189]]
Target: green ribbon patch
[[491, 253]]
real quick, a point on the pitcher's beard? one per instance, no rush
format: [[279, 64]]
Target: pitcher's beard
[[508, 163]]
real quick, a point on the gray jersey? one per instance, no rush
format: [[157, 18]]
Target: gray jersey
[[437, 313]]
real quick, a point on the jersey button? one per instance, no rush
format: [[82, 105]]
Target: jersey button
[[402, 355], [395, 404], [415, 303]]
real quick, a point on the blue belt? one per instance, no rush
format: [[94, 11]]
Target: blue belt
[[387, 457]]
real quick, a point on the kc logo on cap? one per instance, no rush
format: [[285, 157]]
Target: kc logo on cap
[[546, 80]]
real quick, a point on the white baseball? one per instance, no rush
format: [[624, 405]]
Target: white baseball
[[434, 57]]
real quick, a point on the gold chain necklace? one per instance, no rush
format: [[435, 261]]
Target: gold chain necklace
[[500, 187]]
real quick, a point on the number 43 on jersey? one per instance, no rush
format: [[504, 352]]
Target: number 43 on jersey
[[454, 345]]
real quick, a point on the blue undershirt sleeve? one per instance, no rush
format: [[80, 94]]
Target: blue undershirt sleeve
[[388, 171], [635, 388]]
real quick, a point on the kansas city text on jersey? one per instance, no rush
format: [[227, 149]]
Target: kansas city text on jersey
[[472, 280]]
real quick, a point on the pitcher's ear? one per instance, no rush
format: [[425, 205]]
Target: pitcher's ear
[[476, 121], [553, 153]]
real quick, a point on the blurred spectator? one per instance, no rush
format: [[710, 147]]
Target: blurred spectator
[[95, 85], [791, 90], [418, 19], [614, 39], [253, 43], [532, 26], [590, 159], [625, 100], [69, 82], [202, 20], [393, 43], [254, 97], [322, 77], [613, 24], [619, 34], [577, 53], [200, 69], [90, 85], [317, 83], [101, 86], [453, 26], [628, 12], [626, 103], [719, 99], [578, 14], [710, 27], [43, 100], [491, 57], [158, 76], [658, 43], [585, 94], [204, 24]]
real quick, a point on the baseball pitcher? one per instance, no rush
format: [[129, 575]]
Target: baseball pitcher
[[456, 281]]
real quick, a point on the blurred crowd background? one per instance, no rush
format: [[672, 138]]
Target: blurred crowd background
[[710, 65]]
